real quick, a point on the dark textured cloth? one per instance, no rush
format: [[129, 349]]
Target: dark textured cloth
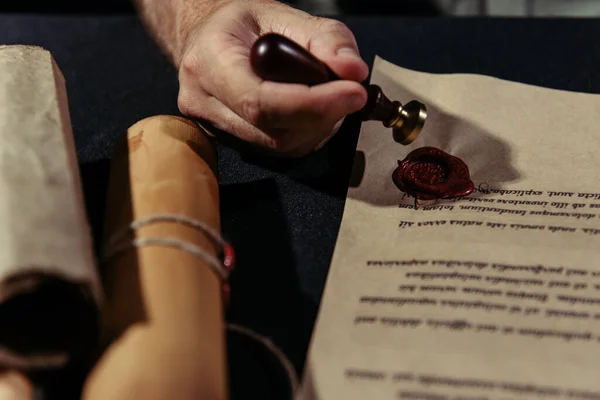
[[283, 218], [68, 7], [389, 7]]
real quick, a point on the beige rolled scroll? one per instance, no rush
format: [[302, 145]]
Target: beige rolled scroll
[[164, 322], [49, 286]]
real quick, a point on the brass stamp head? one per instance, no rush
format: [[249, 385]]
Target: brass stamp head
[[407, 122]]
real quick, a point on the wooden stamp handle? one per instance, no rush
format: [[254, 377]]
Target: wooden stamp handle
[[276, 58]]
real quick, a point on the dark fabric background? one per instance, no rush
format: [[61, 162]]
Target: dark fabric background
[[283, 219], [68, 7]]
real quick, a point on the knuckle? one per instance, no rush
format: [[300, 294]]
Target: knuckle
[[191, 106], [251, 110], [183, 104], [191, 65], [335, 26]]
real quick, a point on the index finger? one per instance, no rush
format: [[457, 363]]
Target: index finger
[[270, 104]]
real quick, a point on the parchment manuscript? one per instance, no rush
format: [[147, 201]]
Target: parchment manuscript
[[49, 286], [495, 296]]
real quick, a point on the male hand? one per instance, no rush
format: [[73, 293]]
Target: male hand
[[217, 83]]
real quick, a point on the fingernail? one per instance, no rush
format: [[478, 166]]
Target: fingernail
[[348, 52]]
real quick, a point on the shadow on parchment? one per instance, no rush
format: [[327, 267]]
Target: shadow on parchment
[[487, 156], [265, 291]]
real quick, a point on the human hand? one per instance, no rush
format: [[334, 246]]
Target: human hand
[[217, 83]]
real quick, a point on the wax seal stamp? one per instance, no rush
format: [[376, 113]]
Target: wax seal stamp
[[428, 173], [278, 59]]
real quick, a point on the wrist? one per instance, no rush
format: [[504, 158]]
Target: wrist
[[170, 23], [189, 16]]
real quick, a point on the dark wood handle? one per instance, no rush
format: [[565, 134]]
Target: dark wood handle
[[276, 58]]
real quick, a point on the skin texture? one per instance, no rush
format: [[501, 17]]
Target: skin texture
[[210, 41]]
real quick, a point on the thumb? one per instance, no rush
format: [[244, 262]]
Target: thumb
[[333, 43]]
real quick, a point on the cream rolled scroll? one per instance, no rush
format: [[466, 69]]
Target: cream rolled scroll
[[49, 288]]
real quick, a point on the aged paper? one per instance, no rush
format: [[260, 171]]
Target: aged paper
[[495, 296], [162, 300], [46, 258]]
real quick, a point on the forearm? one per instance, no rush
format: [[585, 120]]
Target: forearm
[[169, 22]]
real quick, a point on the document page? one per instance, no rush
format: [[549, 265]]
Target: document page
[[495, 296], [50, 289]]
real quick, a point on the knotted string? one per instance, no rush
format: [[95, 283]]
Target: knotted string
[[118, 243]]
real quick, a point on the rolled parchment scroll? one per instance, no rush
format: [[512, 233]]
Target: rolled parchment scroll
[[164, 323], [49, 288]]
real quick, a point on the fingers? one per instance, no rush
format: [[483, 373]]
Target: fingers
[[277, 106], [261, 111], [289, 140], [217, 83], [333, 43], [268, 105], [201, 106]]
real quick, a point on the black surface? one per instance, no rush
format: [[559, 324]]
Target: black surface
[[284, 221], [389, 7], [68, 7]]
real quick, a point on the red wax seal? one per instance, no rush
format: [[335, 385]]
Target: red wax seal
[[428, 173], [229, 265]]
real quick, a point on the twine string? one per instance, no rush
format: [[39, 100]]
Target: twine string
[[119, 243]]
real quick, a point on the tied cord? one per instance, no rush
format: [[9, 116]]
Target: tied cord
[[222, 269], [118, 244]]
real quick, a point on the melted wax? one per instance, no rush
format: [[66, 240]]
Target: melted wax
[[428, 173]]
